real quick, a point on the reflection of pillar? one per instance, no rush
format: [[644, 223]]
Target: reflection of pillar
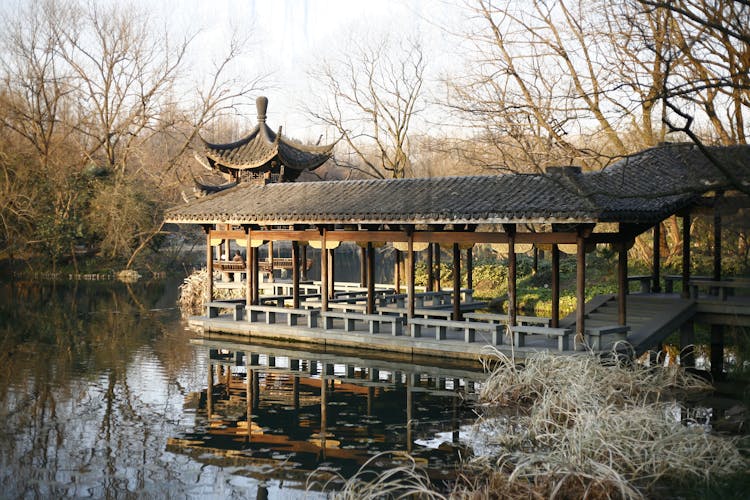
[[555, 323], [409, 404], [717, 351], [210, 391], [323, 413], [454, 414], [256, 389], [370, 397], [249, 402], [295, 391], [262, 492], [687, 342]]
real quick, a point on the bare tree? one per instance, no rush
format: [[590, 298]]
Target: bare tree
[[370, 94]]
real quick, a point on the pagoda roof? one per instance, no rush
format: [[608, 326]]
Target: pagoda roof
[[262, 146], [644, 188]]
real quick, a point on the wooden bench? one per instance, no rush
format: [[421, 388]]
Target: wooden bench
[[469, 328], [724, 287], [593, 336], [237, 307], [503, 319], [521, 331], [292, 315], [373, 321], [644, 280]]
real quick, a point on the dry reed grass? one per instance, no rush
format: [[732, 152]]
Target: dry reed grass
[[405, 481], [583, 427], [193, 293]]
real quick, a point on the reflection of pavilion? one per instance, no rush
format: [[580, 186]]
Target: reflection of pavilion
[[308, 409]]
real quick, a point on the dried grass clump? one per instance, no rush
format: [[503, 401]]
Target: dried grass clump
[[193, 293], [578, 426], [405, 481]]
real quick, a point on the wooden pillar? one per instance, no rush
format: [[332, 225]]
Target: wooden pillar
[[209, 267], [512, 301], [555, 320], [622, 283], [295, 275], [370, 308], [456, 282], [685, 256], [436, 275], [248, 271], [331, 275], [655, 275], [430, 270], [410, 277], [304, 262], [580, 286], [255, 275], [470, 267], [362, 266], [323, 271], [397, 271], [717, 245], [687, 344], [270, 261]]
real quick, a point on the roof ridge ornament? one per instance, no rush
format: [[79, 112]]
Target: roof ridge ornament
[[261, 104]]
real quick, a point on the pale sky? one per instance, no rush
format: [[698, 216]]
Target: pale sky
[[287, 36]]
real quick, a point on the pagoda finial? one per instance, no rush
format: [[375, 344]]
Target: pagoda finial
[[261, 104]]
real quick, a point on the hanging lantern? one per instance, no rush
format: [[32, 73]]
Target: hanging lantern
[[568, 248], [465, 246], [241, 242], [215, 242]]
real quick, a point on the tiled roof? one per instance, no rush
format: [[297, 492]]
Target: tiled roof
[[645, 187], [263, 145]]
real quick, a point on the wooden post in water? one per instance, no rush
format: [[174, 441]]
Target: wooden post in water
[[295, 274], [655, 275], [456, 282], [622, 283], [555, 320], [685, 256]]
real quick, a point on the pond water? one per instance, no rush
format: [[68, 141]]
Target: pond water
[[103, 392]]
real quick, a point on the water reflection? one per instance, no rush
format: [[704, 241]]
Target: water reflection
[[102, 394], [324, 412]]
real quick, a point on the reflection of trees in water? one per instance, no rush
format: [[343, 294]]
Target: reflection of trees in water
[[66, 357]]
